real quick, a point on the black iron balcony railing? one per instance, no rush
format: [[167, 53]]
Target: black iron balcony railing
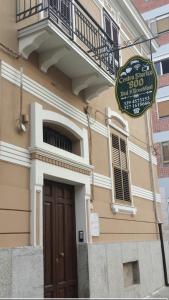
[[75, 21]]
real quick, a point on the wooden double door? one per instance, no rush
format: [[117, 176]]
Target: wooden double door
[[60, 256]]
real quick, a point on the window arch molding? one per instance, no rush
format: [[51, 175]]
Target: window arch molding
[[112, 114], [57, 119], [39, 116]]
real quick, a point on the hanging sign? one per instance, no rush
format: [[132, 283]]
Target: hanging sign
[[136, 86]]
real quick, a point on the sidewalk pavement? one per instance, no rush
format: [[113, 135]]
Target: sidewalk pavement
[[161, 293]]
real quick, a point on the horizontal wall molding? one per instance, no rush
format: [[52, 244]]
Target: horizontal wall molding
[[105, 182], [143, 193], [14, 76], [101, 181], [59, 160], [14, 154], [21, 156], [140, 152]]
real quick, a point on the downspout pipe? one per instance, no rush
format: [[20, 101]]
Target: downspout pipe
[[163, 254]]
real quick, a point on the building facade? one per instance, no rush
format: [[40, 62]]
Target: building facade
[[156, 14], [78, 179]]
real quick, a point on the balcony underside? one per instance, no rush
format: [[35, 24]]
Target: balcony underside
[[55, 48]]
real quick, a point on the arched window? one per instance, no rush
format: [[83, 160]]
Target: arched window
[[60, 137]]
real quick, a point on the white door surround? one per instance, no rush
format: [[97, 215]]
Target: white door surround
[[42, 169]]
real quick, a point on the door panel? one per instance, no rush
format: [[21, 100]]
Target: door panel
[[60, 258], [48, 244]]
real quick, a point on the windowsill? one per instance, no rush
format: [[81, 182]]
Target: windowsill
[[123, 209], [163, 75], [163, 117]]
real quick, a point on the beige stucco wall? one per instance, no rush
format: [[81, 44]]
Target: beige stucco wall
[[120, 227], [93, 9], [14, 179], [8, 33], [100, 159], [14, 205]]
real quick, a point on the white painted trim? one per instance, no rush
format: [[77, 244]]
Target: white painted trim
[[101, 181], [14, 154], [21, 156], [110, 163], [40, 171], [143, 193], [50, 116], [61, 157], [125, 131], [140, 152], [112, 114], [105, 182], [47, 25], [117, 208], [14, 76], [39, 116], [99, 3], [129, 170]]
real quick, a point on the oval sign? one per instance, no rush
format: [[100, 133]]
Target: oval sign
[[136, 86]]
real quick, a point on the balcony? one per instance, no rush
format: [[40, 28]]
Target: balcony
[[65, 35]]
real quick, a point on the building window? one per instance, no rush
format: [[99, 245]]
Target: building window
[[159, 24], [162, 67], [120, 169], [112, 31], [165, 151], [54, 138]]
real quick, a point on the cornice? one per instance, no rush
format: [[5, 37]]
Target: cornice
[[64, 162]]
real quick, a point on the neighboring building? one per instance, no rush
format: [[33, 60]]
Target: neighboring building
[[156, 14], [78, 202]]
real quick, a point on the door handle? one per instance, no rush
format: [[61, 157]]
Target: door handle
[[57, 260], [62, 254]]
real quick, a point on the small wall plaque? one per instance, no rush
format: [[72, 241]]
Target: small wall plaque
[[94, 224]]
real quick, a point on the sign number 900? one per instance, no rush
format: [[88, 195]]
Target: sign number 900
[[135, 83]]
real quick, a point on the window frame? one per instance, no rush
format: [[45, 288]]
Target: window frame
[[155, 20], [114, 25], [161, 66], [56, 139], [127, 170], [165, 162]]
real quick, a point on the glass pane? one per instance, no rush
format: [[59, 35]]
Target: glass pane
[[163, 24], [165, 66], [165, 147], [158, 67]]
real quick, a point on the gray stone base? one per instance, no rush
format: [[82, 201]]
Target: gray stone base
[[105, 269], [100, 270], [21, 273]]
